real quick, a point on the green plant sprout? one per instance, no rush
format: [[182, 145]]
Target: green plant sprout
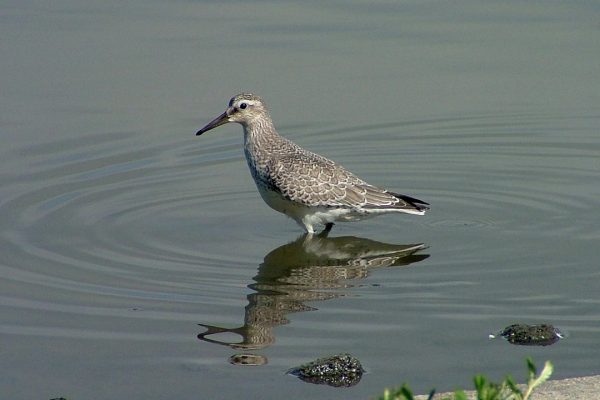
[[484, 388]]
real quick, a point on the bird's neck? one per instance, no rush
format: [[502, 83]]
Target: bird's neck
[[261, 133]]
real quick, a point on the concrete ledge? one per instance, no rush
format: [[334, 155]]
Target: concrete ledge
[[583, 388]]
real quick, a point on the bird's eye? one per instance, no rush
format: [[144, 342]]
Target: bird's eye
[[243, 106]]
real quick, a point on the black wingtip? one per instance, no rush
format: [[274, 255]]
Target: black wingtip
[[416, 203]]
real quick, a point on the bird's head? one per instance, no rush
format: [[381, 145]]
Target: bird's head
[[243, 109]]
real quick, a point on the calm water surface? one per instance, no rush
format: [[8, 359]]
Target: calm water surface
[[137, 259]]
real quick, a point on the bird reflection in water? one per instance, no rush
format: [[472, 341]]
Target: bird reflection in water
[[301, 271]]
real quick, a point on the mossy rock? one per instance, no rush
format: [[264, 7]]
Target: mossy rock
[[531, 335], [341, 370]]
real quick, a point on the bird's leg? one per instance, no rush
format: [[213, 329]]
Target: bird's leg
[[326, 230]]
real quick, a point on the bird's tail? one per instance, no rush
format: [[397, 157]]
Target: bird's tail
[[419, 205]]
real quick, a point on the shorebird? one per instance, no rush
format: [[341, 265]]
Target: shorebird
[[305, 186]]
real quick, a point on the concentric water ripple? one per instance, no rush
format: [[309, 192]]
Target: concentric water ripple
[[489, 170], [181, 222], [105, 223]]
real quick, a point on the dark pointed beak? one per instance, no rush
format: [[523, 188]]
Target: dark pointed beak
[[220, 120]]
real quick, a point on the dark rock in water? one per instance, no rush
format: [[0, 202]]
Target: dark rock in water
[[531, 335], [339, 370]]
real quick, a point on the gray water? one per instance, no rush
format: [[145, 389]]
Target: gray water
[[124, 237]]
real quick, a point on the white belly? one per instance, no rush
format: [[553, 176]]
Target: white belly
[[306, 216]]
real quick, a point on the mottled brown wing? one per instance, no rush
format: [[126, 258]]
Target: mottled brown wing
[[313, 180]]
